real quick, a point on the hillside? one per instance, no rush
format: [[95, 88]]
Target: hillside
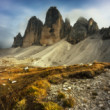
[[75, 87], [61, 53]]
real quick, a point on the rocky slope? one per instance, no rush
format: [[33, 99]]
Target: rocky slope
[[55, 29], [61, 53], [90, 94]]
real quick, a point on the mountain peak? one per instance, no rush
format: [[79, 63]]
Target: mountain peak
[[52, 30], [55, 29], [52, 16], [18, 40], [33, 32]]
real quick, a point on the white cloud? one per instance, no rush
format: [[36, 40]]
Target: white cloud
[[100, 13]]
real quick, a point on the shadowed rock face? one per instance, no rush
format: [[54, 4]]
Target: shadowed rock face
[[105, 33], [82, 29], [52, 30], [18, 41], [67, 28], [33, 32], [79, 31]]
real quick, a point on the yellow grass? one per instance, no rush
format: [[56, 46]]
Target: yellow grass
[[35, 82]]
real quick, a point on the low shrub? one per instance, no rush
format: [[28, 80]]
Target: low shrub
[[51, 106], [21, 105], [36, 92], [42, 84], [55, 79], [70, 102], [61, 95]]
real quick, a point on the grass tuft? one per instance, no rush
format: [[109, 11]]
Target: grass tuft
[[70, 102]]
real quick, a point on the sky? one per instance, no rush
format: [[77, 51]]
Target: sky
[[14, 14]]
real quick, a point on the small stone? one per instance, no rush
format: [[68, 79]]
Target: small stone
[[101, 105], [14, 81], [81, 64], [69, 87], [26, 69], [90, 64], [64, 85], [109, 102], [108, 92], [4, 84], [94, 93], [65, 89]]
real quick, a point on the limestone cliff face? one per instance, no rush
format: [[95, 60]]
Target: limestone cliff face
[[79, 31], [82, 29], [33, 32], [55, 29], [92, 26], [52, 30], [67, 28], [18, 41]]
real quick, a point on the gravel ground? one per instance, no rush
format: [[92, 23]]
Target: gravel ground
[[90, 94]]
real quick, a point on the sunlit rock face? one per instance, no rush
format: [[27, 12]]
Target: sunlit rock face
[[18, 41], [33, 32], [92, 26], [53, 27]]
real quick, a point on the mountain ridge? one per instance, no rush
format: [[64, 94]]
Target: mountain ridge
[[54, 29]]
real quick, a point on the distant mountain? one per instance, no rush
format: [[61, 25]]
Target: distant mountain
[[18, 40], [54, 29]]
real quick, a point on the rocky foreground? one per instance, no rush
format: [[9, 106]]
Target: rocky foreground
[[90, 94], [76, 87]]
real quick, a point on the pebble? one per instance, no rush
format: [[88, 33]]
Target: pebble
[[109, 102], [108, 92], [4, 84], [14, 81], [65, 89], [88, 93], [69, 87], [101, 105]]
